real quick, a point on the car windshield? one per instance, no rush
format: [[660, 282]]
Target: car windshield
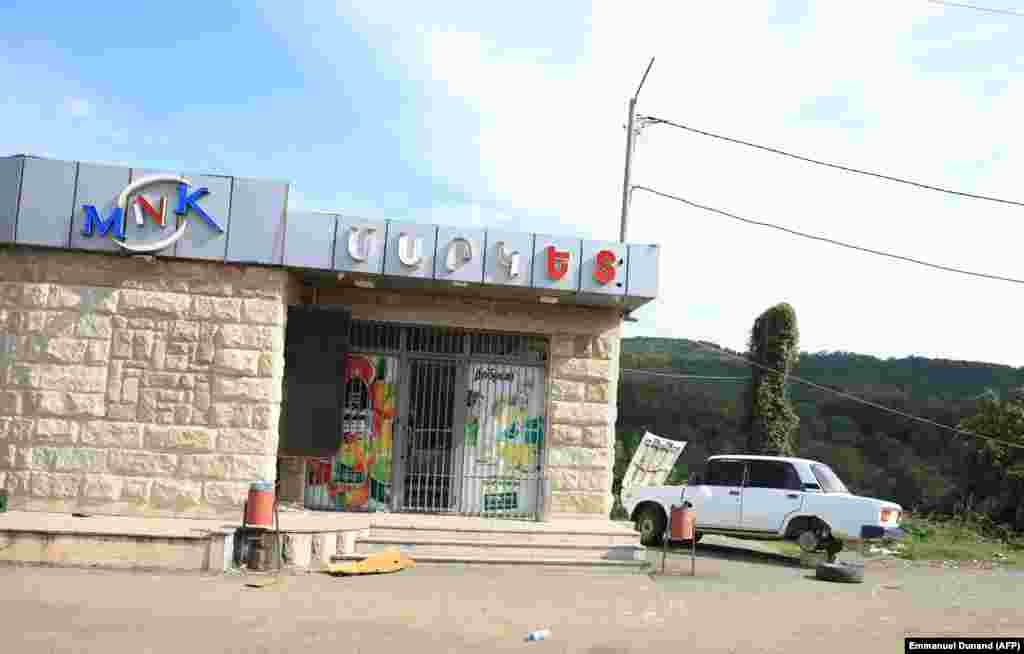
[[828, 480]]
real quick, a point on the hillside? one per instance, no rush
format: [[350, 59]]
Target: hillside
[[876, 453]]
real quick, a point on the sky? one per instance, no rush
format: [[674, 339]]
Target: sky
[[512, 115]]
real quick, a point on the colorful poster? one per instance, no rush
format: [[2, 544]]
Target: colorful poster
[[652, 461], [504, 435], [359, 478]]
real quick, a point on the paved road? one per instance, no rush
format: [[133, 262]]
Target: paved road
[[754, 605]]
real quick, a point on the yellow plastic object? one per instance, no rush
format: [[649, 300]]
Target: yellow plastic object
[[391, 560]]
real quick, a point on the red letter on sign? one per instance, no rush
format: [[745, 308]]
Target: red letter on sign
[[604, 270], [558, 262]]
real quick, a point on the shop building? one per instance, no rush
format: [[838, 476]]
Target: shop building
[[167, 339]]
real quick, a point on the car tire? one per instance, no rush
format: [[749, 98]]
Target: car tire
[[650, 522], [846, 573]]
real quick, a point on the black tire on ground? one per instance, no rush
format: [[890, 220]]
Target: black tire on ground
[[650, 522], [841, 572]]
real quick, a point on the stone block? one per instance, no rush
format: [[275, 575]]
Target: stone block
[[91, 325], [176, 362], [564, 479], [597, 436], [8, 456], [225, 493], [247, 441], [80, 459], [604, 346], [135, 490], [54, 485], [17, 429], [263, 312], [122, 411], [122, 344], [70, 405], [266, 416], [98, 352], [194, 439], [130, 390], [102, 488], [578, 457], [142, 345], [565, 390], [250, 389], [103, 433], [237, 362], [55, 349], [34, 295], [562, 346], [595, 480], [55, 430], [160, 380], [152, 303], [49, 376], [219, 309], [598, 392], [11, 403], [86, 299], [583, 369], [583, 347], [127, 462], [177, 494], [228, 466], [183, 415], [247, 337], [170, 395], [185, 331], [565, 435], [226, 414], [159, 354], [18, 482], [580, 413], [580, 503]]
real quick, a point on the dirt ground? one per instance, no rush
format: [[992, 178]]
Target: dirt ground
[[738, 602]]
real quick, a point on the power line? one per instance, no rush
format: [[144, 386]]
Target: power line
[[930, 187], [1005, 12], [848, 396], [652, 373], [825, 239]]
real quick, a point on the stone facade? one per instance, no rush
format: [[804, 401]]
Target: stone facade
[[135, 385], [582, 378]]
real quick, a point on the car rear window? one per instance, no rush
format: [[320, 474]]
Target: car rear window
[[772, 474]]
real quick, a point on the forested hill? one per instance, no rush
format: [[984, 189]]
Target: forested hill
[[876, 452]]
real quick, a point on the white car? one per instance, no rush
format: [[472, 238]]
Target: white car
[[767, 497]]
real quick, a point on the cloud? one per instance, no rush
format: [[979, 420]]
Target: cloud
[[78, 108]]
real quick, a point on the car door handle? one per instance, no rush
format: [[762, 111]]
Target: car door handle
[[734, 492], [792, 496]]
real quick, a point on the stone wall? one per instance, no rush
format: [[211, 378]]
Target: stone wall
[[582, 377], [135, 385]]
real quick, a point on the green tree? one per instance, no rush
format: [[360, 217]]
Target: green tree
[[771, 419], [1002, 420]]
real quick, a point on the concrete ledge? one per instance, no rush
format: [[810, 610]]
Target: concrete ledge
[[509, 560]]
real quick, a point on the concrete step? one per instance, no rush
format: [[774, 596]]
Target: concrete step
[[539, 538], [490, 559], [502, 550]]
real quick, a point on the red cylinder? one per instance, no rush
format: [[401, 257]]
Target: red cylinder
[[259, 510], [682, 523]]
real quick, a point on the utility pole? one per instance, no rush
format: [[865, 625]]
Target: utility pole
[[630, 133]]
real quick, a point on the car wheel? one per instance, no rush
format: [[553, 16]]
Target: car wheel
[[651, 525], [697, 536], [808, 541], [841, 572]]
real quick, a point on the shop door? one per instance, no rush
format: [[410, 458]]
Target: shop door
[[502, 447], [427, 467]]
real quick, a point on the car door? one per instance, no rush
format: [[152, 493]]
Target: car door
[[717, 500], [771, 491]]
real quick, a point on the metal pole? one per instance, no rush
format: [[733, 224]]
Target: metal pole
[[629, 165], [630, 133]]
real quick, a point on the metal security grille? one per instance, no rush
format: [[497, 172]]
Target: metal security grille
[[467, 413], [429, 443]]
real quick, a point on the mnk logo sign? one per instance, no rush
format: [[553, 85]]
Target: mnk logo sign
[[132, 201]]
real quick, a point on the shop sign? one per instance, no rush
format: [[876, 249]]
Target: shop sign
[[116, 223]]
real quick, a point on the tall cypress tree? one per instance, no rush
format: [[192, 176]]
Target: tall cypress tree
[[771, 419]]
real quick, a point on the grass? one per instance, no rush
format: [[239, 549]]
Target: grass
[[945, 539]]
